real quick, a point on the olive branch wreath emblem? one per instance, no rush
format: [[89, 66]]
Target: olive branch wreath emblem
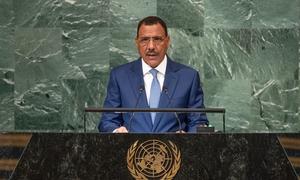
[[167, 175]]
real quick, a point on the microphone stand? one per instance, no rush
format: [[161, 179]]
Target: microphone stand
[[141, 90], [165, 89]]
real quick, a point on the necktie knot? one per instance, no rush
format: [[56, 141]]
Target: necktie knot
[[154, 72]]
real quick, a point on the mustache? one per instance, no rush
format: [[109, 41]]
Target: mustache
[[151, 53]]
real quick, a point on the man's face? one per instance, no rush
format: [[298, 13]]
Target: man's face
[[152, 43]]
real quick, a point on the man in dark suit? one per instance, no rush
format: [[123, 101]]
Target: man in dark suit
[[154, 81]]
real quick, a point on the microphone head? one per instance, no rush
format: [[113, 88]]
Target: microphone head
[[141, 88], [165, 89]]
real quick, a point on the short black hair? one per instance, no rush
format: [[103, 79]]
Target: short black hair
[[151, 20]]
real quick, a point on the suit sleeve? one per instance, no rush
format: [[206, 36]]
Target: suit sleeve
[[111, 121], [196, 100]]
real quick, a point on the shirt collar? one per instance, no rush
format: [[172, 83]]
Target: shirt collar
[[161, 68]]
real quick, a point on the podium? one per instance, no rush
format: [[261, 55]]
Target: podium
[[153, 156]]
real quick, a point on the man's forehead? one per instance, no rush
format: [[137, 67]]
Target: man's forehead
[[151, 29]]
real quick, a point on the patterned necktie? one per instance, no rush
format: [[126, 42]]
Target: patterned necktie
[[154, 93]]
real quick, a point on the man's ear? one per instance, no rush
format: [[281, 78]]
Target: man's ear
[[136, 41], [169, 40]]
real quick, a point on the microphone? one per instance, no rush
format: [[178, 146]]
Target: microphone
[[141, 90], [165, 90]]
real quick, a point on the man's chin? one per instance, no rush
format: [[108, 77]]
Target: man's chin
[[153, 61]]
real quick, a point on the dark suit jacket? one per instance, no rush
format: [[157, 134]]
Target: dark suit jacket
[[181, 90]]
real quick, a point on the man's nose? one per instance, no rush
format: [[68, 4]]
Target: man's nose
[[151, 44]]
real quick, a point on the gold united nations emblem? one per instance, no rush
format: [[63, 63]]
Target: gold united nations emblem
[[153, 159]]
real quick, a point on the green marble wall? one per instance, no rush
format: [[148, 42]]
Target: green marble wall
[[55, 57]]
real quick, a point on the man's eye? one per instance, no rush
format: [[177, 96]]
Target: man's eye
[[158, 39], [145, 39]]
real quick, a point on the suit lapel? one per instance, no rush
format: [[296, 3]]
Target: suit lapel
[[170, 84], [136, 77]]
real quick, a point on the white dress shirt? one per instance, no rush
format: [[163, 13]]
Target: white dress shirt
[[161, 68]]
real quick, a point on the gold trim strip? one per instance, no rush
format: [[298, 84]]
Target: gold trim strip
[[295, 161], [290, 143], [8, 164], [15, 140]]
